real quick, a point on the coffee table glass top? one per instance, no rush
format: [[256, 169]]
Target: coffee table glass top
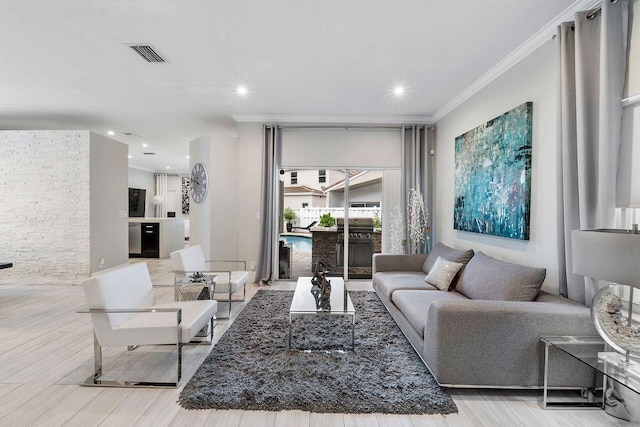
[[304, 301], [591, 350]]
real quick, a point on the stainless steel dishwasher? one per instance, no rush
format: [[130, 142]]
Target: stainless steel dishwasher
[[135, 239]]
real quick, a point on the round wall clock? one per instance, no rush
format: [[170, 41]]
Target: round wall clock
[[199, 182]]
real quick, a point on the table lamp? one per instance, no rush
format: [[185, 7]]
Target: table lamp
[[612, 255]]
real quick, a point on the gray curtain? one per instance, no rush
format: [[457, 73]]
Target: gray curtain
[[592, 70], [415, 175], [271, 160]]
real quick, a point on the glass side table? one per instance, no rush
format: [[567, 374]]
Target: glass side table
[[592, 352]]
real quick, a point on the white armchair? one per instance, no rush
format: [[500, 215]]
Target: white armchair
[[124, 314], [227, 281]]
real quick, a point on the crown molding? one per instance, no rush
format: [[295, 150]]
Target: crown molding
[[524, 50], [313, 119]]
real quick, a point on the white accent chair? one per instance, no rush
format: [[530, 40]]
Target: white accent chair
[[191, 260], [124, 314]]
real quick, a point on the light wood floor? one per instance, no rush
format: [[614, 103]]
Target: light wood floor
[[46, 350]]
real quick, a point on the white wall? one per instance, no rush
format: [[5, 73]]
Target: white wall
[[139, 178], [533, 79], [109, 203], [249, 178], [200, 214], [224, 197], [48, 195], [214, 223], [296, 201], [174, 183], [369, 193]]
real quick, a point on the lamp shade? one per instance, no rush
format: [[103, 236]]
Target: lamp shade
[[157, 200], [607, 254]]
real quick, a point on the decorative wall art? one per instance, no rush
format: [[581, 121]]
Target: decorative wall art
[[186, 182], [493, 176]]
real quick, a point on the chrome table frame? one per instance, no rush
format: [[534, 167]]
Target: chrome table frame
[[303, 287], [551, 342]]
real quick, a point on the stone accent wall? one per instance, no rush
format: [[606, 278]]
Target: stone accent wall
[[324, 246], [44, 206]]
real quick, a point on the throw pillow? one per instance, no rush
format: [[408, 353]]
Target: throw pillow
[[442, 273], [487, 278], [450, 254]]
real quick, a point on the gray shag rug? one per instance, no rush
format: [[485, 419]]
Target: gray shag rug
[[251, 367]]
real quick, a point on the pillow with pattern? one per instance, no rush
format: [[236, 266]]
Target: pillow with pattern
[[442, 273]]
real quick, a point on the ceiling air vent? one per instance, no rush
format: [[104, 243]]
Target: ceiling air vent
[[149, 154], [147, 52]]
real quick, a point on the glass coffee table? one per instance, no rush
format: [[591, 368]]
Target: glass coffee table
[[304, 303]]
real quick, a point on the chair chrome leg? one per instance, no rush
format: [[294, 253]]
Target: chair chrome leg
[[97, 357], [179, 345], [179, 350], [95, 381]]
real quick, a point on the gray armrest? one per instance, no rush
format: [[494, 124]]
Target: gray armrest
[[384, 262], [462, 335]]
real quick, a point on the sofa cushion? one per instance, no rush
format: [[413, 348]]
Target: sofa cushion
[[389, 281], [442, 274], [444, 251], [413, 305], [487, 278]]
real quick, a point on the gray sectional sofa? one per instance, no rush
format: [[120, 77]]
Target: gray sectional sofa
[[484, 328]]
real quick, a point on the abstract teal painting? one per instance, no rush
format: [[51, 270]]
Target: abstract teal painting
[[493, 176]]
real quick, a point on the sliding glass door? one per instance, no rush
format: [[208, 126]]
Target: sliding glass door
[[333, 216]]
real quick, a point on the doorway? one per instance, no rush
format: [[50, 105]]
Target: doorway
[[333, 216]]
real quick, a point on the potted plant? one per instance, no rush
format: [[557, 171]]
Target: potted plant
[[377, 222], [289, 215], [327, 220]]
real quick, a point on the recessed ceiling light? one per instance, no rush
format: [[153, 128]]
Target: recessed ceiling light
[[130, 156], [168, 167], [188, 157], [111, 132], [398, 90], [145, 145], [242, 90]]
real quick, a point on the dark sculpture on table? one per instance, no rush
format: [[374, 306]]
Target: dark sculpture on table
[[321, 287]]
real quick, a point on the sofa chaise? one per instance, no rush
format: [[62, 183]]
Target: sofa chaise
[[480, 324]]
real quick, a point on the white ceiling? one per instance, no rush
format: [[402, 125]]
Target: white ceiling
[[65, 64]]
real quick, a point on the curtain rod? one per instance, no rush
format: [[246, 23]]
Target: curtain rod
[[361, 127], [597, 10], [632, 100], [390, 127]]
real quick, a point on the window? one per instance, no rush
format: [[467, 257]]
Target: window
[[322, 175], [294, 178], [364, 204], [305, 205]]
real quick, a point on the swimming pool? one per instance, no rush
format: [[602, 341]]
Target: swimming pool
[[302, 243]]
